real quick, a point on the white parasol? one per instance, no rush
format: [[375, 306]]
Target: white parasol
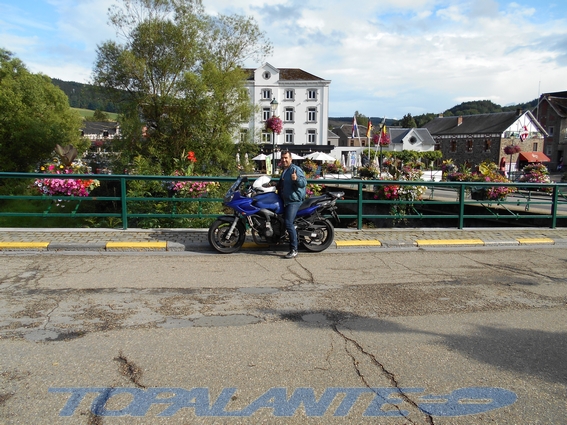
[[320, 156], [279, 154], [260, 157]]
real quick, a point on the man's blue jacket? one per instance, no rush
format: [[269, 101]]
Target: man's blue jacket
[[290, 190]]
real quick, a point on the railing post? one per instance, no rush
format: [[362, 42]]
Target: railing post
[[554, 198], [123, 203], [359, 214], [462, 206]]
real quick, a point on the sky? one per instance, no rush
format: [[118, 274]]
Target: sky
[[384, 58]]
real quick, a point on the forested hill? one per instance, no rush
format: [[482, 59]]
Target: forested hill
[[89, 97], [475, 107], [85, 96]]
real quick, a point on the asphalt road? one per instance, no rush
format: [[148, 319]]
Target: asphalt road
[[398, 337]]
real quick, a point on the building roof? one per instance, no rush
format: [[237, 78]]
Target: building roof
[[97, 127], [288, 74], [472, 124], [397, 135], [558, 103]]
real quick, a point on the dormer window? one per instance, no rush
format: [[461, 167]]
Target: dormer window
[[266, 75]]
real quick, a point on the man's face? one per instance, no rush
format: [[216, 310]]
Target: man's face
[[286, 160]]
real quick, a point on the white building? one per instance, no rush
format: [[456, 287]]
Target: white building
[[303, 106]]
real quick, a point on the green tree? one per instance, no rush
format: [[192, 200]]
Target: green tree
[[408, 122], [179, 73], [361, 119], [34, 117]]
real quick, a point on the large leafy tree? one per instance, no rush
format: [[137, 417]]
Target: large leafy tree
[[34, 117], [178, 72]]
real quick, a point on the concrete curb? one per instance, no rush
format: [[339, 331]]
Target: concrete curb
[[195, 240]]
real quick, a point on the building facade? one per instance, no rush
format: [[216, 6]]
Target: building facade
[[473, 139], [551, 113], [302, 104]]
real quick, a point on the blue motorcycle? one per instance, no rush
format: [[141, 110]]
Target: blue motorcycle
[[259, 206]]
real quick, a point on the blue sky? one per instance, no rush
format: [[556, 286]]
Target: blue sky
[[383, 57]]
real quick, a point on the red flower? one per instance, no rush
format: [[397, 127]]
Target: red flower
[[191, 156], [512, 149]]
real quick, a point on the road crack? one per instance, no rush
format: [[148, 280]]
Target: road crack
[[130, 370], [391, 377]]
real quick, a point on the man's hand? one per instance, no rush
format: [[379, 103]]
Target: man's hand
[[294, 175]]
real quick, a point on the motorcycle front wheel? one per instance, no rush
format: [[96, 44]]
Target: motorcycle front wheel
[[218, 236], [321, 236]]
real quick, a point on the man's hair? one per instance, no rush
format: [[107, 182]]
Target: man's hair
[[285, 151]]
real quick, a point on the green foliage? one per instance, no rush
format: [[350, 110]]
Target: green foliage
[[179, 76], [34, 117], [361, 119], [86, 96], [408, 122]]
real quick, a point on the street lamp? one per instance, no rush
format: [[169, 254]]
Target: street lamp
[[274, 108]]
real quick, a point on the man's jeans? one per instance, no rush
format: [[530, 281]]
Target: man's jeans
[[290, 211]]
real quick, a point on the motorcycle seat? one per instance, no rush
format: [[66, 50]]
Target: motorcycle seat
[[312, 201]]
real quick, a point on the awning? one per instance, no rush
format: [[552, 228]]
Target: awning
[[534, 157]]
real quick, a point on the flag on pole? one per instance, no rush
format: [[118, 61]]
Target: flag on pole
[[369, 129], [354, 127], [524, 133], [384, 130]]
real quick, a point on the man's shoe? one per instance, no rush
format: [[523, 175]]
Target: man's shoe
[[291, 254]]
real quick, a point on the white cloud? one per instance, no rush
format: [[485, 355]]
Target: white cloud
[[383, 56]]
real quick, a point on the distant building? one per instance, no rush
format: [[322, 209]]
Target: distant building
[[411, 139], [472, 139], [551, 113], [100, 130], [303, 106]]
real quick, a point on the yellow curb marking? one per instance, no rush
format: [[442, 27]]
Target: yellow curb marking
[[535, 240], [254, 245], [426, 242], [358, 243], [29, 245], [138, 245]]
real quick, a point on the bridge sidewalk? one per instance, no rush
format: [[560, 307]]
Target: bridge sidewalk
[[178, 240]]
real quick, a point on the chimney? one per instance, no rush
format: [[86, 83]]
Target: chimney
[[518, 112], [459, 120]]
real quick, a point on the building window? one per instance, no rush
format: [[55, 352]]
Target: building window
[[266, 94], [312, 94], [289, 114], [266, 137], [289, 136], [311, 114], [266, 113], [290, 94], [243, 136], [311, 136], [550, 131], [453, 146], [487, 145], [534, 147], [266, 75], [469, 145]]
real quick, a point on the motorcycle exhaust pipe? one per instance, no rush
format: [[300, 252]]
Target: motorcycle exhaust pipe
[[267, 213]]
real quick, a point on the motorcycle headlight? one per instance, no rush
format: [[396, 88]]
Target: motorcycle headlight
[[229, 198]]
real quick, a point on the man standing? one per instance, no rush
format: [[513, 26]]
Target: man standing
[[291, 188]]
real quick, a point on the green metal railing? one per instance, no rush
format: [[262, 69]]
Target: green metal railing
[[442, 200]]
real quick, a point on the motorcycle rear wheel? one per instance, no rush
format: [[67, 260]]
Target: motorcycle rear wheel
[[217, 236], [324, 234]]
